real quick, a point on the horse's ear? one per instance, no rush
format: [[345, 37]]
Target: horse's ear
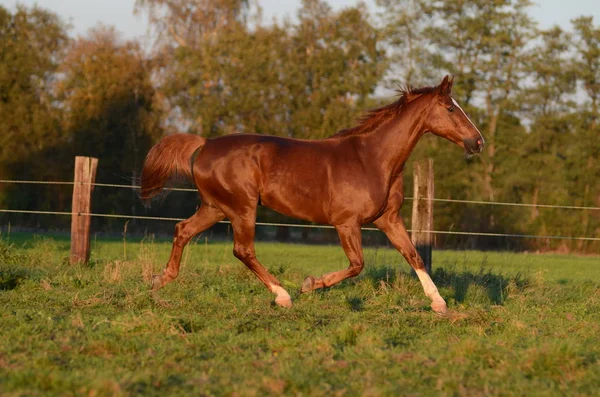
[[446, 86]]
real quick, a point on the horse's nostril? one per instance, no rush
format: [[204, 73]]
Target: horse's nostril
[[479, 142]]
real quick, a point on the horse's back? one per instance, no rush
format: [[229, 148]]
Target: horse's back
[[291, 176]]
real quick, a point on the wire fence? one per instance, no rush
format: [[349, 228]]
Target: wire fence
[[482, 202], [306, 226], [297, 225]]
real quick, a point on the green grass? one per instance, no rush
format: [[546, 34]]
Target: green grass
[[520, 324]]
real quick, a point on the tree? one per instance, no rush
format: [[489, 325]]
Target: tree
[[583, 160], [547, 102], [403, 33], [190, 22], [193, 47], [301, 80], [484, 44], [32, 41], [110, 110], [332, 66]]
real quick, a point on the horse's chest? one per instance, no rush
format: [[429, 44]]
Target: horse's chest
[[381, 205], [387, 198], [366, 201]]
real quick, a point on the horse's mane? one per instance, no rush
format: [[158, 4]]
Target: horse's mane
[[376, 117]]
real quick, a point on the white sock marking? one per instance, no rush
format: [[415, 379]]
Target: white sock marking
[[428, 285], [283, 298], [279, 291]]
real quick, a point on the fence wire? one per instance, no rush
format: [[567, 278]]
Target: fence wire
[[297, 225], [441, 200], [306, 226]]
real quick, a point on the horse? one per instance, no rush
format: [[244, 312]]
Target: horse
[[346, 180]]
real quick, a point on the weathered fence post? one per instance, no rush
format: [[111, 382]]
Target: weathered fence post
[[85, 176], [422, 213]]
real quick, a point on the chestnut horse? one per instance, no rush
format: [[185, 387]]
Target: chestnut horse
[[347, 180]]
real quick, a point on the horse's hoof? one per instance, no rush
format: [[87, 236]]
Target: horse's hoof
[[283, 298], [284, 301], [440, 308], [157, 282], [308, 284]]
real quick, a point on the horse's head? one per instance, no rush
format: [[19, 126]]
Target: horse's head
[[448, 120]]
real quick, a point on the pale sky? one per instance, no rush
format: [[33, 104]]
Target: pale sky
[[84, 14]]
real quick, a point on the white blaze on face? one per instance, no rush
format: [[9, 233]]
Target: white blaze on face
[[463, 112]]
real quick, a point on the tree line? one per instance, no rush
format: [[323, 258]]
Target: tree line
[[216, 67]]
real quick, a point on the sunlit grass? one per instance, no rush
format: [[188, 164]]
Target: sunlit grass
[[520, 324]]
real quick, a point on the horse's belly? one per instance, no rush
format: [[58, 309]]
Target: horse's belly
[[314, 203], [296, 202], [319, 186]]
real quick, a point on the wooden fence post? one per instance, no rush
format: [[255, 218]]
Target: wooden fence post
[[422, 213], [85, 176]]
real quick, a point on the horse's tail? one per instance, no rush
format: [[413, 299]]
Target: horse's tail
[[170, 158]]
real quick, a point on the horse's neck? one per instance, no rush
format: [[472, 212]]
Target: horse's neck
[[392, 143]]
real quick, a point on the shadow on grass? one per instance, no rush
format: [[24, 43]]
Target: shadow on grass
[[356, 304], [496, 286], [11, 278], [10, 281], [12, 271]]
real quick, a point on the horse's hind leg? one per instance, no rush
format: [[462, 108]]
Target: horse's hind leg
[[243, 249], [205, 217], [350, 238]]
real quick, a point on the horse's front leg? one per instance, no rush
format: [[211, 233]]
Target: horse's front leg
[[392, 225], [350, 238]]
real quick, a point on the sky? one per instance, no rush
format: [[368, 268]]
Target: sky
[[84, 14]]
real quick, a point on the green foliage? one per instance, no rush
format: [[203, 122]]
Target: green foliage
[[112, 112], [32, 43], [304, 80], [404, 24], [520, 86], [333, 65], [512, 330], [92, 97]]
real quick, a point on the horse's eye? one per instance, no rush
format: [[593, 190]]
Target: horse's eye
[[451, 109]]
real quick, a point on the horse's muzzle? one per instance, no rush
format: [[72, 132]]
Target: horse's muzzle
[[473, 145]]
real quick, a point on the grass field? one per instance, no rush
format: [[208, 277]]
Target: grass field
[[519, 324]]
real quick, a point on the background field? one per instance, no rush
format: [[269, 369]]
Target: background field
[[520, 324]]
